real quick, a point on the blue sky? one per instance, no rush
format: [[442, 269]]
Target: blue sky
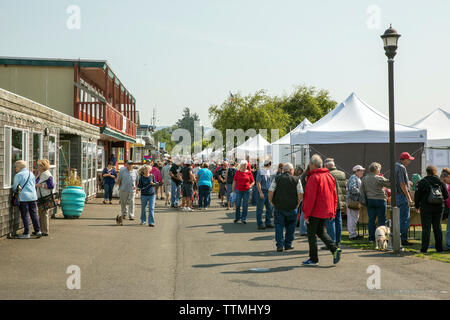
[[176, 53]]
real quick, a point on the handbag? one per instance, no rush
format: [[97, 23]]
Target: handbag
[[354, 205], [15, 201], [46, 202]]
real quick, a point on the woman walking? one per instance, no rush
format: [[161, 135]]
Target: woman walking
[[353, 196], [243, 182], [146, 186], [109, 175], [24, 183], [372, 189], [431, 209], [205, 179], [158, 179], [44, 187], [445, 177]]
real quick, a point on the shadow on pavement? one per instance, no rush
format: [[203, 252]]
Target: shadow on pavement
[[270, 270], [270, 253], [203, 225], [271, 237], [212, 265]]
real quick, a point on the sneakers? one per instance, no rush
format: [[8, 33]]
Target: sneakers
[[289, 248], [261, 227], [151, 225], [270, 226], [406, 243], [309, 262], [23, 236], [244, 222], [337, 256], [280, 249]]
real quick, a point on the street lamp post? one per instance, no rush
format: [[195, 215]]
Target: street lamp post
[[390, 40]]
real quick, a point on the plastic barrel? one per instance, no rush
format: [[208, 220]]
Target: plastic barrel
[[72, 202]]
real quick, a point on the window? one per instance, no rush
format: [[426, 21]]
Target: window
[[100, 158], [89, 163], [16, 148], [37, 150], [83, 162], [52, 150]]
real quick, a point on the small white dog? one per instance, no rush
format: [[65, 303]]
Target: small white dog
[[381, 235]]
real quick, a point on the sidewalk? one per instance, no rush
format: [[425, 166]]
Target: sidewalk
[[197, 256]]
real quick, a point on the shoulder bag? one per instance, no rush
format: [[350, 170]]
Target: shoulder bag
[[46, 202], [15, 201]]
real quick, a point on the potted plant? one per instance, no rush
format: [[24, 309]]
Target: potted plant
[[72, 197]]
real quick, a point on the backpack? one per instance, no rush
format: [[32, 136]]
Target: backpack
[[435, 194]]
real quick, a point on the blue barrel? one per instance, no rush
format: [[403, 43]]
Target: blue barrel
[[72, 202]]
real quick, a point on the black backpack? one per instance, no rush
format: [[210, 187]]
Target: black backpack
[[435, 194]]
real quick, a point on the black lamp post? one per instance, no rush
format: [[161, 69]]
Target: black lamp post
[[390, 39]]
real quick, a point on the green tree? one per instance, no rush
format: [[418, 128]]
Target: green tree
[[187, 121], [254, 111], [305, 102], [164, 135]]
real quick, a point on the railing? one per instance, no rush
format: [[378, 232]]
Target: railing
[[103, 115]]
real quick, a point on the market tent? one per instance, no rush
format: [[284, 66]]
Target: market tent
[[281, 150], [437, 125], [253, 147], [356, 133]]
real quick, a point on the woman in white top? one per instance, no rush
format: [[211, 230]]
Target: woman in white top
[[44, 187]]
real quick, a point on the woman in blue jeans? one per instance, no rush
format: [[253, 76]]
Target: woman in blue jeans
[[372, 189], [147, 187], [204, 179], [243, 182], [109, 175]]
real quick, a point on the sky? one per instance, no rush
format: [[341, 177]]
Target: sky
[[174, 54]]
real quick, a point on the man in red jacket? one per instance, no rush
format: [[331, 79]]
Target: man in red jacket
[[319, 204]]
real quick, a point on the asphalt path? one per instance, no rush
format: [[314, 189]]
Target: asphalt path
[[199, 255]]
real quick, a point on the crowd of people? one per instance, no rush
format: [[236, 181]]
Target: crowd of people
[[313, 199]]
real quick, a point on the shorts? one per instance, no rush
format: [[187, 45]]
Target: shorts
[[222, 189], [186, 189]]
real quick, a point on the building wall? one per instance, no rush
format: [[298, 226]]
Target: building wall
[[50, 86], [21, 113]]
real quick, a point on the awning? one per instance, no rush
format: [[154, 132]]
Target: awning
[[116, 135]]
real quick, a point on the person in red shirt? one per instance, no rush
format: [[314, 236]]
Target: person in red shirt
[[319, 204], [242, 183]]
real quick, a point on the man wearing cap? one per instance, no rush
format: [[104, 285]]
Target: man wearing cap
[[353, 193], [175, 175], [263, 181], [128, 180], [334, 226], [403, 197]]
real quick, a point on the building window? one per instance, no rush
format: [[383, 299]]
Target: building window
[[84, 162], [52, 156], [37, 151], [100, 158], [16, 148]]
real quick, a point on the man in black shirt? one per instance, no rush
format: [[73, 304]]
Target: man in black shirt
[[187, 186], [222, 179], [176, 183], [230, 176]]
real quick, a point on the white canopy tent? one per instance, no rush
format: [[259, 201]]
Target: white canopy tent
[[281, 150], [356, 133], [437, 124], [254, 148], [354, 121]]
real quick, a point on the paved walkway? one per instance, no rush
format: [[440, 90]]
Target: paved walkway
[[198, 256]]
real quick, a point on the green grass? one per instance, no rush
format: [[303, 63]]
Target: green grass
[[413, 250]]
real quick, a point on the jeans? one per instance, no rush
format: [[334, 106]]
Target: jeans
[[260, 208], [150, 201], [175, 194], [255, 195], [334, 227], [229, 191], [375, 209], [303, 227], [204, 195], [241, 196], [285, 220], [316, 228], [402, 203], [108, 191], [29, 207]]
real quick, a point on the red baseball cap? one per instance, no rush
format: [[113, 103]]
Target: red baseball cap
[[406, 155]]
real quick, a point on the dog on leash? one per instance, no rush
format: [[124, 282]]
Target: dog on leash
[[381, 236], [119, 220]]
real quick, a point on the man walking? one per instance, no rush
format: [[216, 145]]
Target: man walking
[[319, 204], [187, 186], [263, 181], [128, 181], [334, 226], [175, 175], [403, 197], [285, 193], [167, 181]]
